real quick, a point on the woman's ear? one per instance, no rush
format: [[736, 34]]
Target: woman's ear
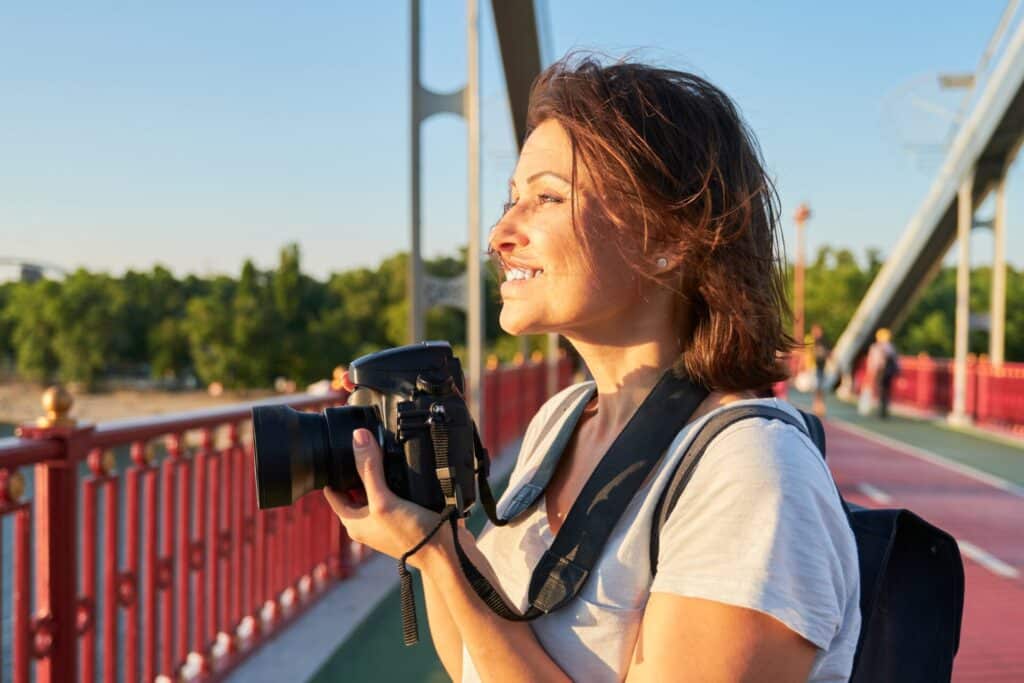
[[662, 263]]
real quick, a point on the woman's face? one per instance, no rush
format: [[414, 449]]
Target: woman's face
[[549, 283]]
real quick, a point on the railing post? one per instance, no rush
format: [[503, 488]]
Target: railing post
[[492, 408], [54, 633], [520, 393], [982, 375], [925, 397], [971, 388]]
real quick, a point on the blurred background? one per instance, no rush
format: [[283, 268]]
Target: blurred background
[[207, 204], [189, 182]]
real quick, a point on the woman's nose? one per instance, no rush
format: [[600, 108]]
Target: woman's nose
[[507, 236]]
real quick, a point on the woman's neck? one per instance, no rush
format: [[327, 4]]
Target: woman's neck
[[627, 353], [624, 377]]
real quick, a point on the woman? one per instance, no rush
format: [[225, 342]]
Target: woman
[[641, 226]]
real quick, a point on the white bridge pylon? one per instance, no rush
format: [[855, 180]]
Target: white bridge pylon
[[976, 164]]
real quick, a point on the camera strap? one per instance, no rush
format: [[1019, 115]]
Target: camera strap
[[566, 565]]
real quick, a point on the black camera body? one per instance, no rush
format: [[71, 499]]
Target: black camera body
[[411, 399]]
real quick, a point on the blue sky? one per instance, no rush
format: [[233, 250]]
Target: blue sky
[[200, 134]]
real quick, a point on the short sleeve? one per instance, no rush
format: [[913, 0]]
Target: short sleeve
[[760, 526]]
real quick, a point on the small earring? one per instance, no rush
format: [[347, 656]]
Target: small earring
[[662, 262]]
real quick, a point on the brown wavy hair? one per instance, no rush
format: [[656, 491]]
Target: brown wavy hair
[[681, 176]]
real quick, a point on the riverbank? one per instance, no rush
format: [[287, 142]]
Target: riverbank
[[20, 402]]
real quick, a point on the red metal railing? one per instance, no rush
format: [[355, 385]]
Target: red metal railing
[[167, 568], [995, 396]]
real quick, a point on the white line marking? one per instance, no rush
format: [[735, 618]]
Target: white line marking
[[874, 493], [987, 560], [968, 549], [933, 458]]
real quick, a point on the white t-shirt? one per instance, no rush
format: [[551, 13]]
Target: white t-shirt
[[758, 526]]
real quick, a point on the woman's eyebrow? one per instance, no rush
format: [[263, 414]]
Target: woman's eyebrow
[[512, 182]]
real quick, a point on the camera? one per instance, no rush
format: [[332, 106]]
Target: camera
[[411, 400]]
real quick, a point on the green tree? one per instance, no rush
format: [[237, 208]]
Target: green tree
[[84, 318], [32, 330], [298, 303], [6, 324], [208, 323], [835, 282], [252, 330], [353, 322], [169, 350], [148, 331], [930, 325], [1014, 314]]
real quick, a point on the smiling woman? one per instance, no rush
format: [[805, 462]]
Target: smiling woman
[[641, 226]]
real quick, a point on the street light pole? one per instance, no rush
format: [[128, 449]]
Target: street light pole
[[414, 286], [803, 212], [474, 275]]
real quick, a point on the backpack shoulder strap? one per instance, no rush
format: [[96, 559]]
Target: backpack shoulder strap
[[700, 442], [814, 429]]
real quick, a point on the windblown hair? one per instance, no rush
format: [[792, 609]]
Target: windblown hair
[[681, 176]]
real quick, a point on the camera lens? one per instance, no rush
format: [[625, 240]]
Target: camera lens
[[295, 452]]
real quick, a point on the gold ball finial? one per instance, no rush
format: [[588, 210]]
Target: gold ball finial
[[57, 402], [16, 486], [12, 487]]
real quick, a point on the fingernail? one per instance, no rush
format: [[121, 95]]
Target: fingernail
[[360, 438]]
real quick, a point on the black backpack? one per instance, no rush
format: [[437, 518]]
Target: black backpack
[[911, 574]]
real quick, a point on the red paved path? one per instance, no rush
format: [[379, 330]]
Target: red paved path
[[992, 638]]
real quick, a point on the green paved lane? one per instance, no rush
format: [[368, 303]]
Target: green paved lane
[[985, 453], [374, 651]]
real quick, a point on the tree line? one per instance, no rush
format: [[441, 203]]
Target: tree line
[[836, 281], [246, 331], [243, 332]]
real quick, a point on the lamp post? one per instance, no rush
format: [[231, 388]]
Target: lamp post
[[803, 212]]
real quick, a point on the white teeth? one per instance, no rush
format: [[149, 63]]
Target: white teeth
[[522, 273]]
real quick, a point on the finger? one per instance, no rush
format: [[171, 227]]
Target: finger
[[368, 462], [344, 509]]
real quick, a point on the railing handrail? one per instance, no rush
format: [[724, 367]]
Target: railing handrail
[[115, 432], [16, 452]]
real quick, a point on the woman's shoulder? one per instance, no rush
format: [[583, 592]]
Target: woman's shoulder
[[754, 447], [766, 465], [760, 525]]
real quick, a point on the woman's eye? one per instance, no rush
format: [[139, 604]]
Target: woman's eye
[[543, 198]]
